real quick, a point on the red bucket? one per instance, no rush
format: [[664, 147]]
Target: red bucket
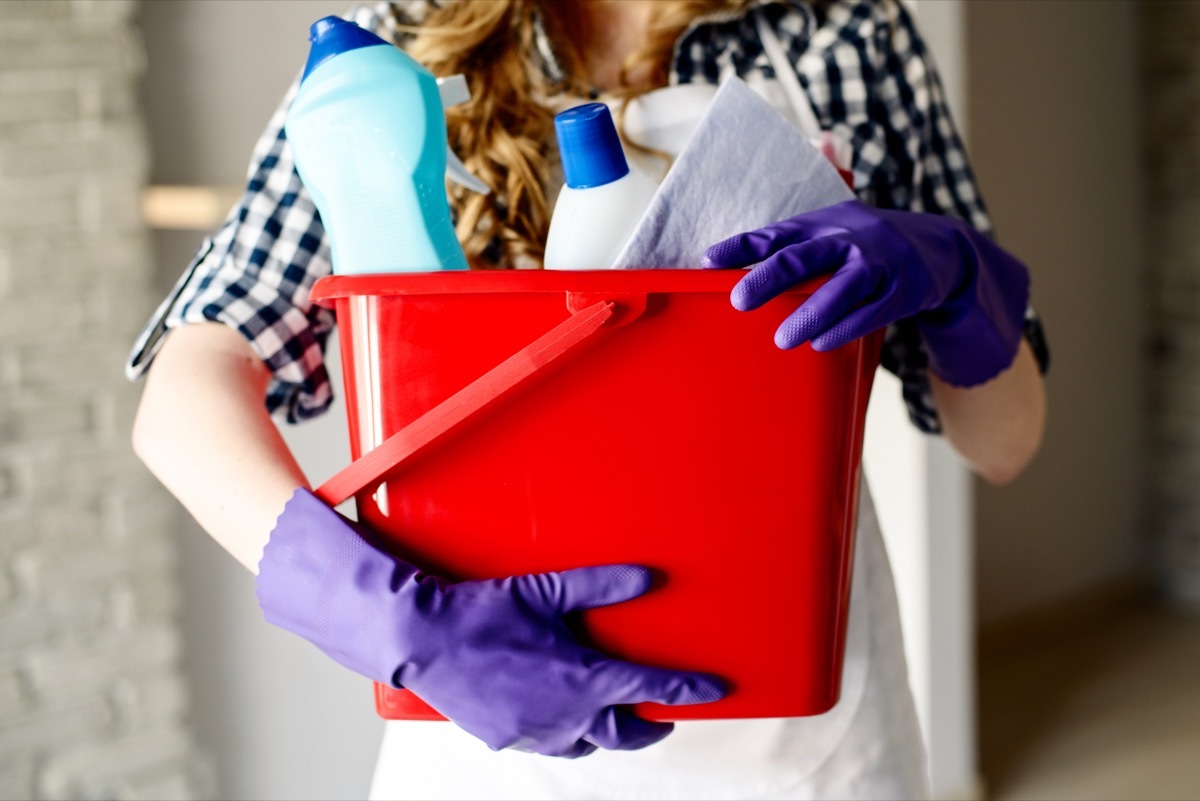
[[525, 421]]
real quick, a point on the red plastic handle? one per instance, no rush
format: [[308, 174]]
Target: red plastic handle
[[459, 407]]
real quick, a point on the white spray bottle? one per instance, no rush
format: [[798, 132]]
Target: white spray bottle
[[603, 198]]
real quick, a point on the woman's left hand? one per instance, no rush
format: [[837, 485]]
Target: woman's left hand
[[966, 295]]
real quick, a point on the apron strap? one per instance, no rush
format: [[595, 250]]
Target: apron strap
[[785, 73]]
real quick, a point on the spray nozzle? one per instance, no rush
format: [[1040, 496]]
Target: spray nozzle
[[333, 35], [453, 90]]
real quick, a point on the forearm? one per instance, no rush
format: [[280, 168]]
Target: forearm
[[204, 432], [997, 426]]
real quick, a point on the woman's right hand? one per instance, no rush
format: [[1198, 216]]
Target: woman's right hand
[[496, 657]]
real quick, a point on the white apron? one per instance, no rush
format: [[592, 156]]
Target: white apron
[[868, 746]]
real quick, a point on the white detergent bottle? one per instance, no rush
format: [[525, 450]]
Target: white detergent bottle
[[602, 200]]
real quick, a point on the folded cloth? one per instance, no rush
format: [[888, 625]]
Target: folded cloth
[[745, 167]]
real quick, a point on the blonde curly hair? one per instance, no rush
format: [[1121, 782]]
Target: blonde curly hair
[[505, 133]]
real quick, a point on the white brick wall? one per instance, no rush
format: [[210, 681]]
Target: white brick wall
[[93, 702], [1170, 44]]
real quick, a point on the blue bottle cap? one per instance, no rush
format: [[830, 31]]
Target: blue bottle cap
[[590, 149], [331, 36]]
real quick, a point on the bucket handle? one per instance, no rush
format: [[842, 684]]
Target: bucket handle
[[462, 405]]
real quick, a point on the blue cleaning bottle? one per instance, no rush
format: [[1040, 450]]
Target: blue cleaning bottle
[[368, 134]]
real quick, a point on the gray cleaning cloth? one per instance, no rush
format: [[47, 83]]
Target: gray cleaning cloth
[[745, 167]]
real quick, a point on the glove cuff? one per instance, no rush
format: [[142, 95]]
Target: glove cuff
[[321, 579], [975, 337]]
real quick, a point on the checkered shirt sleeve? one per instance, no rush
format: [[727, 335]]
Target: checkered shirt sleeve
[[873, 84], [256, 273]]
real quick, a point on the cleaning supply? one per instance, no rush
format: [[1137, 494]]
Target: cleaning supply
[[603, 197], [742, 166], [369, 138]]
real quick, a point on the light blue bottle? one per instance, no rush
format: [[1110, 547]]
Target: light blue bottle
[[369, 138]]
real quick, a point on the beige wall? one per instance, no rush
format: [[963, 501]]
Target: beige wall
[[1054, 109]]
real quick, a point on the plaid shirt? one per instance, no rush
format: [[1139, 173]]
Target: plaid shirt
[[868, 75]]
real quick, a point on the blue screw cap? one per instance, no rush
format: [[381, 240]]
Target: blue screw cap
[[590, 148], [331, 36]]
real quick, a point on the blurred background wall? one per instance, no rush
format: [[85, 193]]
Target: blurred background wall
[[1171, 77], [93, 695], [1055, 105], [1082, 123]]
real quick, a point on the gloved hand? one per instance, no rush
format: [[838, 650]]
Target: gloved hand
[[965, 295], [495, 657]]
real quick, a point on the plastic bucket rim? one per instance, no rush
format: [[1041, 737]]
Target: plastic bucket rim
[[331, 288]]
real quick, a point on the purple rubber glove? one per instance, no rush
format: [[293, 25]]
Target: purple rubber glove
[[496, 657], [965, 295]]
